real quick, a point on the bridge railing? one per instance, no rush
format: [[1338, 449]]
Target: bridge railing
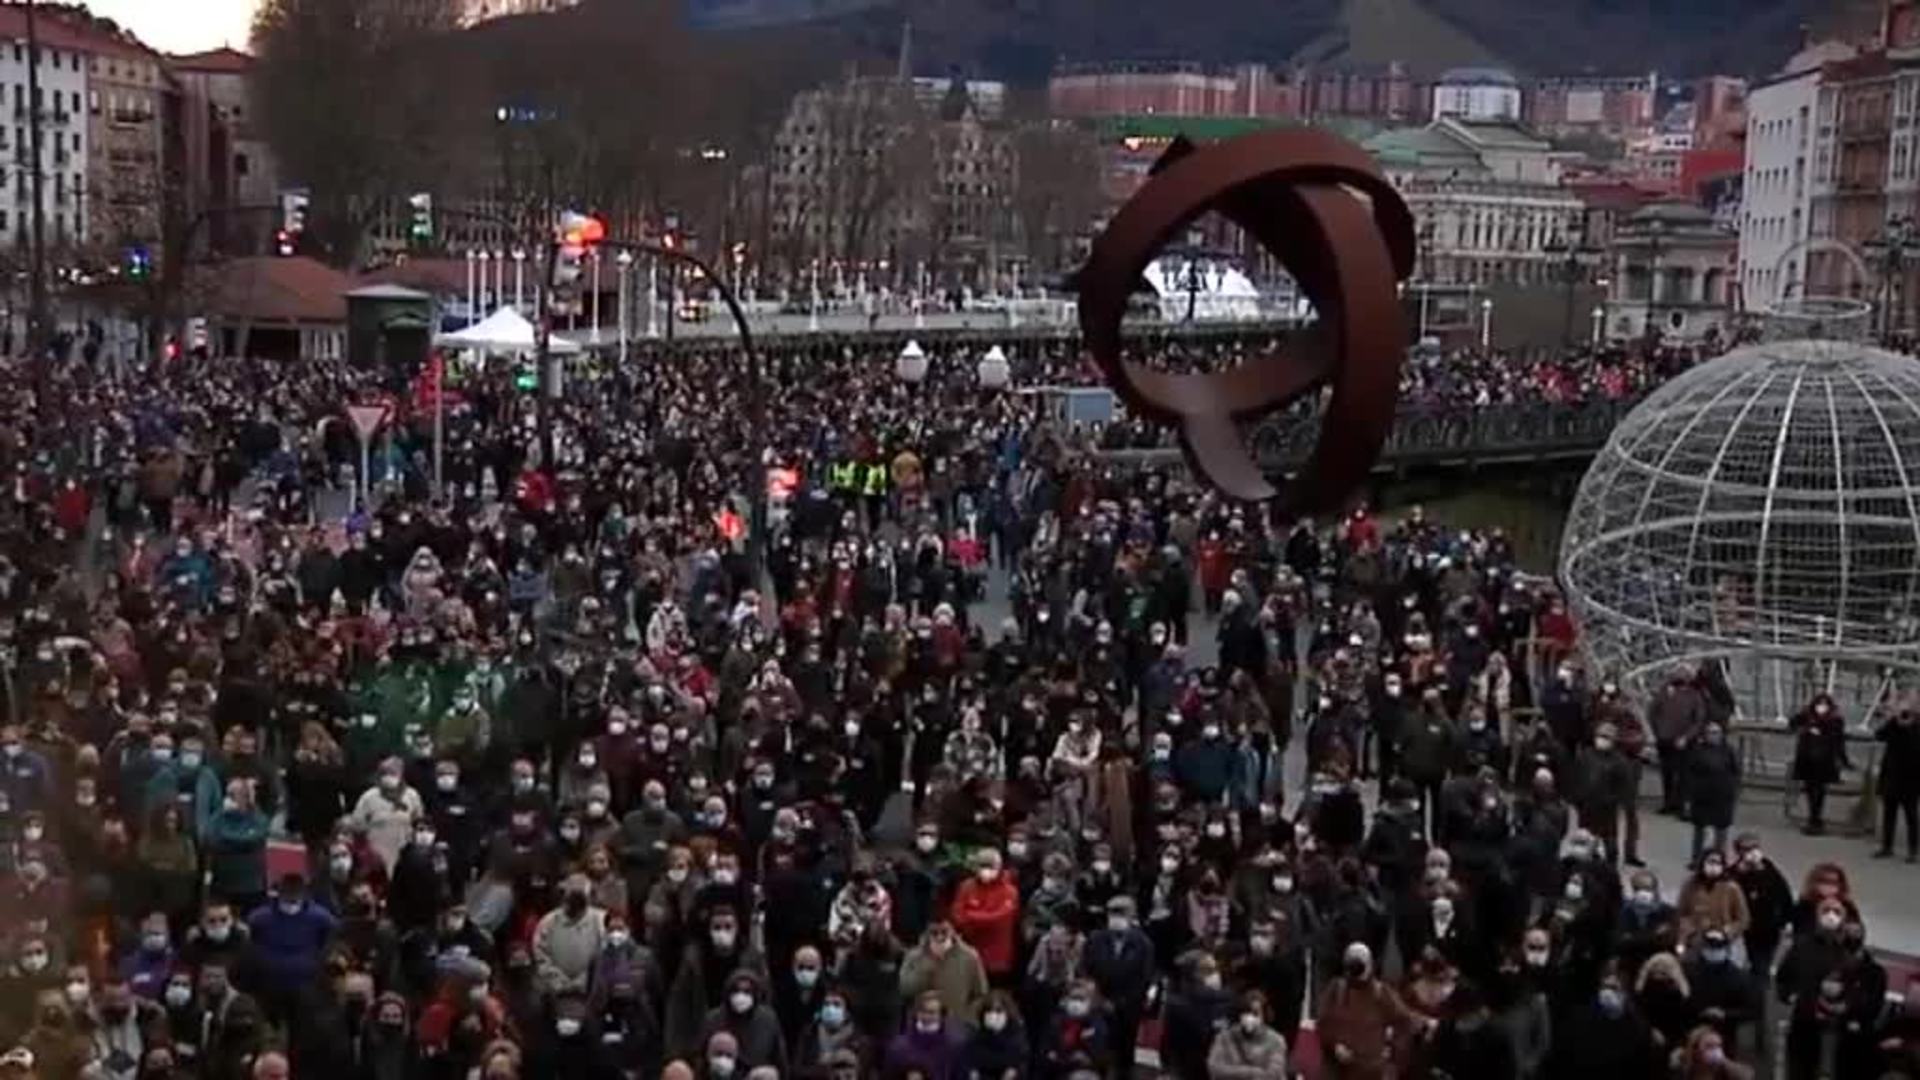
[[1486, 432]]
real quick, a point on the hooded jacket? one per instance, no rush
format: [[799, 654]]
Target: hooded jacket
[[757, 1031]]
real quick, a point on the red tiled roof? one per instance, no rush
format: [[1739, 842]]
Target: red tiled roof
[[221, 61], [270, 289], [58, 29]]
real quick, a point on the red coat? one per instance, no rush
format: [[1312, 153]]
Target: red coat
[[71, 507], [1215, 570], [987, 916]]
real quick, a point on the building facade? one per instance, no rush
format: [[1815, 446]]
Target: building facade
[[230, 181], [1672, 275], [64, 145], [131, 177], [1777, 193], [1095, 92], [1487, 201], [1477, 94], [1614, 107]]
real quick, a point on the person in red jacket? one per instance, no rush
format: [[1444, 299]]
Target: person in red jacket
[[1215, 569], [986, 913]]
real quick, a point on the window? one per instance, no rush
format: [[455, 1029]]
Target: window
[[240, 165]]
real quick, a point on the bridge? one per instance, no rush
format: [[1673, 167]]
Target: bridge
[[1437, 437]]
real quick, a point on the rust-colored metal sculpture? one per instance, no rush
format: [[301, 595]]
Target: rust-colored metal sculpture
[[1318, 204]]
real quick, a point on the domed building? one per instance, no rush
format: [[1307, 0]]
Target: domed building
[[1762, 513]]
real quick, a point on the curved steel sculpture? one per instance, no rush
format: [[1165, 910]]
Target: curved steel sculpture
[[1316, 202]]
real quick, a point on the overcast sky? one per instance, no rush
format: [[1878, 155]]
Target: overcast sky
[[182, 26]]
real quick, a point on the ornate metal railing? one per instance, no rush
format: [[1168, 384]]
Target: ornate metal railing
[[1437, 436]]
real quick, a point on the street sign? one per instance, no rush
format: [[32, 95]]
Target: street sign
[[366, 419]]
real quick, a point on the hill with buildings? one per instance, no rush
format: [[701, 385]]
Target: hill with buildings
[[1023, 39]]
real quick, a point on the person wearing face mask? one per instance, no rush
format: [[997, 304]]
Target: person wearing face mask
[[1204, 766], [1603, 1037], [708, 965], [799, 992], [290, 936], [1712, 900], [1120, 960], [647, 832], [1769, 903], [1712, 788], [568, 939], [1606, 784], [1723, 991], [1705, 1057], [1357, 1014], [986, 914], [385, 812], [1248, 1048], [1647, 923], [1819, 756], [1197, 1005], [1835, 1026], [745, 1015], [145, 967], [944, 963], [1081, 1036], [1470, 1042], [1814, 954]]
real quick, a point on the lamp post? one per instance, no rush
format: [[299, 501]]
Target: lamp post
[[1486, 324], [653, 298], [1572, 255], [500, 275], [519, 279], [625, 263], [1890, 249], [593, 293], [473, 294], [482, 258], [813, 299], [1599, 323]]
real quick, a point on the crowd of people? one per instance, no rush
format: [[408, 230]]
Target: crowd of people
[[565, 774]]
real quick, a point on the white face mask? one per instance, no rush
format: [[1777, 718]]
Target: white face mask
[[994, 1020], [741, 1001]]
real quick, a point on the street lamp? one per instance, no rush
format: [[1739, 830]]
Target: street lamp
[[1486, 324], [625, 262], [1890, 249], [482, 258], [911, 365], [473, 295], [519, 278], [1599, 323], [1575, 253], [994, 372], [653, 298]]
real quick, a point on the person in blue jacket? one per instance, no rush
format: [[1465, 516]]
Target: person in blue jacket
[[26, 779], [235, 843], [290, 936], [185, 775]]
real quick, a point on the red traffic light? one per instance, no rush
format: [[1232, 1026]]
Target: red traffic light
[[581, 230]]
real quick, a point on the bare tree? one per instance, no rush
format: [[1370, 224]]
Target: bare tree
[[349, 108], [1056, 189]]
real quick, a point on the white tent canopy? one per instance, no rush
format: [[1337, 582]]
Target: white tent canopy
[[504, 331]]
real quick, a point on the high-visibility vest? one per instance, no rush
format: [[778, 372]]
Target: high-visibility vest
[[844, 476], [876, 479]]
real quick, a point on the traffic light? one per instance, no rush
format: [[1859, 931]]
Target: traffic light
[[420, 218], [578, 233], [526, 378], [139, 263], [283, 243]]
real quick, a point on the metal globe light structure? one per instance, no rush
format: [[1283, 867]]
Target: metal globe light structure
[[1760, 512]]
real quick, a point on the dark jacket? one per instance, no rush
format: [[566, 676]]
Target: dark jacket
[[1121, 964], [1820, 747], [1900, 763], [1713, 783]]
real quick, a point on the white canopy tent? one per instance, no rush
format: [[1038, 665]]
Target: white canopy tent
[[504, 331]]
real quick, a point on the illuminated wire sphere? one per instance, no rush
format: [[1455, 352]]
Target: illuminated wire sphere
[[1761, 512]]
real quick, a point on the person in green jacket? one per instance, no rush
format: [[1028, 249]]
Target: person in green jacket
[[236, 849]]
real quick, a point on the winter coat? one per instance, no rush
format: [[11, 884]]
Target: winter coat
[[565, 947], [1900, 763], [1713, 783], [1820, 747], [1705, 905], [1676, 714], [1237, 1055], [387, 820], [987, 915], [757, 1032], [287, 946], [236, 847], [934, 1055], [1121, 964], [956, 975], [1369, 1020]]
